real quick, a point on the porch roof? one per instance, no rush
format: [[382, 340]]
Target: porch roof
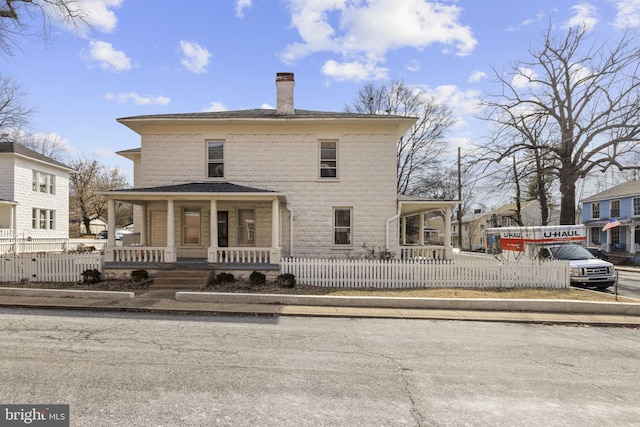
[[193, 189], [409, 205]]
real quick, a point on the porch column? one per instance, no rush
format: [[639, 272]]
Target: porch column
[[275, 232], [170, 250], [421, 237], [403, 230], [143, 225], [448, 248], [109, 252], [14, 226], [632, 239], [212, 253]]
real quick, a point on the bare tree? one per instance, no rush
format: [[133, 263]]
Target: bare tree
[[13, 113], [18, 16], [91, 178], [572, 108], [421, 148]]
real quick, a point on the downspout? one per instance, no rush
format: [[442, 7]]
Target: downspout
[[286, 206], [393, 218]]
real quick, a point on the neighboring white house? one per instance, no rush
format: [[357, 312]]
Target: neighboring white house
[[34, 194], [252, 186]]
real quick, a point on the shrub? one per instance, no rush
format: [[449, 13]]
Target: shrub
[[139, 275], [91, 276], [222, 278], [258, 279], [287, 280]]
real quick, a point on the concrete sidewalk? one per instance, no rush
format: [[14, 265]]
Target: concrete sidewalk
[[180, 302]]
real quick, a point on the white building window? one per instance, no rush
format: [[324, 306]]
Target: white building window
[[595, 210], [44, 182], [215, 159], [328, 159], [43, 219], [342, 226], [636, 206], [246, 227], [615, 209]]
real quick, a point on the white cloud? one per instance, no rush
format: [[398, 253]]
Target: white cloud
[[363, 32], [108, 58], [476, 76], [195, 58], [138, 99], [266, 106], [523, 78], [103, 153], [216, 106], [241, 5], [100, 15], [356, 71], [585, 16], [628, 15], [413, 66]]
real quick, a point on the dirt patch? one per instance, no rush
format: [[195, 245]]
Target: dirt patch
[[301, 289]]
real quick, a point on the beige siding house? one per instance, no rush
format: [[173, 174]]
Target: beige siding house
[[252, 186]]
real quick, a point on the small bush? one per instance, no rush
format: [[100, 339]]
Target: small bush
[[287, 280], [222, 278], [139, 275], [91, 276], [257, 278]]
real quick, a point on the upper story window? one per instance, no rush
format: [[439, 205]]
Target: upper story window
[[342, 226], [595, 210], [636, 206], [43, 182], [328, 159], [215, 159], [615, 209]]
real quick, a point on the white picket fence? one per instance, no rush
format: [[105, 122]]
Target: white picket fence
[[396, 274], [44, 267]]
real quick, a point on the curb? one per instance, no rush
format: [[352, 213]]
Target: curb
[[525, 305], [65, 293]]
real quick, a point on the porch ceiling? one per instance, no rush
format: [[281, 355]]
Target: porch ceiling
[[414, 206]]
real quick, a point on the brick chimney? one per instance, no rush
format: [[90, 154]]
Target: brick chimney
[[284, 93]]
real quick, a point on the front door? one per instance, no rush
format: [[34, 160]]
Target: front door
[[223, 229]]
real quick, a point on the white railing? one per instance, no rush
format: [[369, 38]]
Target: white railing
[[243, 255], [6, 233], [347, 273], [48, 267], [138, 254], [33, 245], [423, 252]]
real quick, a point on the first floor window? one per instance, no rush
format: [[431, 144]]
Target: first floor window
[[246, 227], [191, 226], [43, 219], [615, 236], [342, 226], [595, 211], [215, 159], [595, 236]]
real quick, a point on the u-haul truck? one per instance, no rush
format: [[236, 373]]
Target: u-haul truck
[[562, 242]]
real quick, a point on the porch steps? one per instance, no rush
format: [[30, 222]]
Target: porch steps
[[181, 279]]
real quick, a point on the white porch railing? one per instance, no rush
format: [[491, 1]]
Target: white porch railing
[[33, 245], [138, 254], [423, 252], [397, 274], [6, 233], [243, 255]]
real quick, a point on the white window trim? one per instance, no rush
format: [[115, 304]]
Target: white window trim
[[611, 215], [49, 219], [634, 201], [40, 179], [334, 227], [593, 204], [208, 162], [328, 178]]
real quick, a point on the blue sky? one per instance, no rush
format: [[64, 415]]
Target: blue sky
[[151, 57]]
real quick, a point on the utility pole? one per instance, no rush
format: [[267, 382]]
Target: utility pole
[[460, 199]]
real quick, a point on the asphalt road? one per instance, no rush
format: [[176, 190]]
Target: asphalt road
[[134, 369], [628, 284]]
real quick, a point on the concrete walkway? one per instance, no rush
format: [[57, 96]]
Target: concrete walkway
[[180, 302]]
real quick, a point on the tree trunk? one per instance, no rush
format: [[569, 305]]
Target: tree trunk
[[568, 197]]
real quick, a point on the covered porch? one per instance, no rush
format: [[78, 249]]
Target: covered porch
[[419, 241], [213, 224]]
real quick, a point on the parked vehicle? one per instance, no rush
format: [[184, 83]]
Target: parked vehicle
[[599, 253], [562, 242], [102, 235]]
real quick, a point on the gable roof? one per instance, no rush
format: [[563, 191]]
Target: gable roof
[[15, 148], [631, 188]]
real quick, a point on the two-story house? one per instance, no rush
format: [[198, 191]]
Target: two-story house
[[34, 195], [620, 206], [253, 186]]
